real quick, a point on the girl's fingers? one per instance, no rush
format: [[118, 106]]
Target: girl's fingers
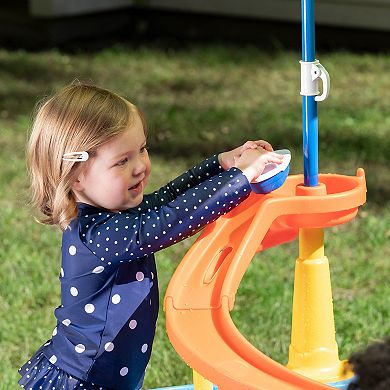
[[249, 145], [274, 157], [265, 145], [246, 146], [271, 157]]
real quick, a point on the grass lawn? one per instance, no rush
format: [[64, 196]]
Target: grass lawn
[[201, 100]]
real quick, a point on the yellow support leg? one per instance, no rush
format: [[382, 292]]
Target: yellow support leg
[[201, 383], [313, 350]]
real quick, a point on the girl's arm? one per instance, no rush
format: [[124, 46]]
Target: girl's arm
[[200, 172], [189, 179], [132, 234]]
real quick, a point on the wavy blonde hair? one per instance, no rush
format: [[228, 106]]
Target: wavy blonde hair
[[80, 117]]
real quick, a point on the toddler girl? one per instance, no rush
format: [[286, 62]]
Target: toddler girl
[[89, 166]]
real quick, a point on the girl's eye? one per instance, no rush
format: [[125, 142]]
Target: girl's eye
[[123, 162]]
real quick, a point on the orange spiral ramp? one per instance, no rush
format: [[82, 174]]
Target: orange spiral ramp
[[202, 291]]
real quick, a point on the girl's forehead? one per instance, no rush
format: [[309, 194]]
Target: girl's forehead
[[131, 139]]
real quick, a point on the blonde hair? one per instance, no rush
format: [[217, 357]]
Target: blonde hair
[[80, 117]]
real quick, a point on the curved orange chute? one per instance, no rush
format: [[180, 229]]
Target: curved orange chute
[[203, 288]]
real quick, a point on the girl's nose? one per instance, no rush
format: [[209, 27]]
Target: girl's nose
[[139, 168]]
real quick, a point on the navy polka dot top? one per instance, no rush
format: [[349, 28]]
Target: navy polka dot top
[[109, 292]]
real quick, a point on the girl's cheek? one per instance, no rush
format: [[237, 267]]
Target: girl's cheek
[[148, 165]]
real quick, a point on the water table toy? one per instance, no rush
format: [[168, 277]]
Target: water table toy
[[202, 291]]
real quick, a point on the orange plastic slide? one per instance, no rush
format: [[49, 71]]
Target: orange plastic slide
[[202, 291]]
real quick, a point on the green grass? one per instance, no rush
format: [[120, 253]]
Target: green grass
[[198, 101]]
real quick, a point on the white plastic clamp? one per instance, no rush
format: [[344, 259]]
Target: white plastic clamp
[[311, 72], [75, 156]]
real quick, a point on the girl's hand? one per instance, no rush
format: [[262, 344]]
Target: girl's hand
[[253, 161], [264, 144], [227, 159]]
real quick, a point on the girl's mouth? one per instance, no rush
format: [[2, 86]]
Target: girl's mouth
[[137, 187]]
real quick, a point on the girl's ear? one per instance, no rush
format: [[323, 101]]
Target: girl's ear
[[78, 183], [77, 186]]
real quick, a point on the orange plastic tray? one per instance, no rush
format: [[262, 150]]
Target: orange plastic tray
[[202, 290]]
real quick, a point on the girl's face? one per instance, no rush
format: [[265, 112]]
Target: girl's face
[[116, 177]]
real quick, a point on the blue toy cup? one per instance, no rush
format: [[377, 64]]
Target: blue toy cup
[[274, 175]]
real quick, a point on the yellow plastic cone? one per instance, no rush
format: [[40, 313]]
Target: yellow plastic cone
[[313, 350], [201, 383]]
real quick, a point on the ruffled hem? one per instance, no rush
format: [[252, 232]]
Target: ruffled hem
[[39, 374]]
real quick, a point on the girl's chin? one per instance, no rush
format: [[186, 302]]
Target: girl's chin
[[135, 202]]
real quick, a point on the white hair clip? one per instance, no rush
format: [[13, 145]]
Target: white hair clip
[[75, 156]]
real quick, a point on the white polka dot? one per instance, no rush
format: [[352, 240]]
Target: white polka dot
[[98, 269], [72, 250], [144, 348], [53, 359], [139, 276], [79, 348], [132, 324], [54, 331], [124, 371], [109, 347], [66, 322], [116, 299], [89, 308], [152, 274], [74, 291], [62, 272]]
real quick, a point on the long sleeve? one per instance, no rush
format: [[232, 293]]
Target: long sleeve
[[125, 236], [194, 176]]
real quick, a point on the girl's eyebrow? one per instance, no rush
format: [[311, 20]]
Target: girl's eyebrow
[[128, 151]]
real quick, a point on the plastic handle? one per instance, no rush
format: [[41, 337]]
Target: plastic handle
[[318, 71]]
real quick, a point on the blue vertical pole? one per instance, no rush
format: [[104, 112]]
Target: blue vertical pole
[[309, 105]]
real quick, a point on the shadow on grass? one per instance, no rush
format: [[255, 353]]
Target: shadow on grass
[[181, 126], [28, 77], [178, 130]]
